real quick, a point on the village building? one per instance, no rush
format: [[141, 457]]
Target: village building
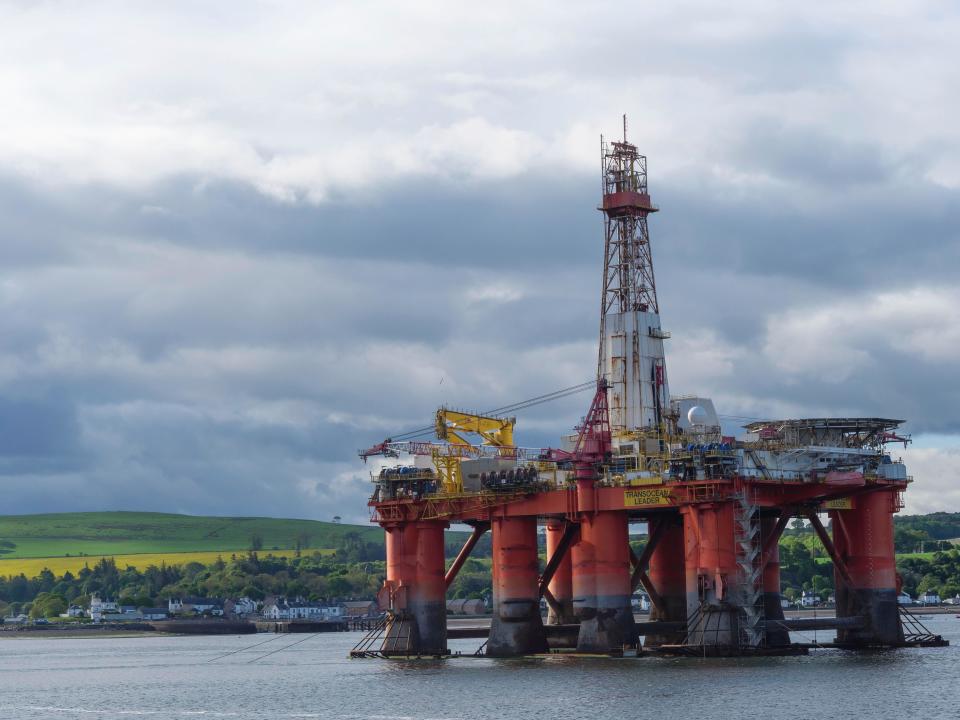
[[361, 608], [276, 609], [281, 608], [335, 612], [195, 606], [154, 613], [239, 607], [99, 608]]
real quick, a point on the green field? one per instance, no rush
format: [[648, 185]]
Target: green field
[[31, 567], [916, 555], [823, 560], [128, 533]]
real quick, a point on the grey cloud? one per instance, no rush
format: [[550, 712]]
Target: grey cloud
[[359, 335], [39, 431], [806, 155], [898, 234], [472, 224]]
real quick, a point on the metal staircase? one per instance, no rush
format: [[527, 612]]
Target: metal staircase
[[749, 549], [390, 636], [915, 632]]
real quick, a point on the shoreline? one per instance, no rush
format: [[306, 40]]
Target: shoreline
[[113, 630]]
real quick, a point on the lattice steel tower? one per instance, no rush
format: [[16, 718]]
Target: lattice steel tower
[[631, 341]]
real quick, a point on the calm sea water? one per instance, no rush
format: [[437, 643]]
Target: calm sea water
[[174, 677]]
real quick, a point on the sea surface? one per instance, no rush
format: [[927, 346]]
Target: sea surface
[[312, 677]]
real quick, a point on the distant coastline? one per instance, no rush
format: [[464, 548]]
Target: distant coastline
[[225, 627]]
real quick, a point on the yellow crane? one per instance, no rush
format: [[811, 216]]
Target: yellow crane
[[452, 425], [496, 431]]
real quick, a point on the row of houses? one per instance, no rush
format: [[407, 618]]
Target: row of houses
[[111, 611], [930, 597], [273, 608], [195, 606], [282, 608]]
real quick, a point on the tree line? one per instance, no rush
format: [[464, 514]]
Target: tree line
[[314, 576], [357, 568]]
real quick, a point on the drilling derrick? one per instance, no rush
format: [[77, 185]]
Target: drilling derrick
[[631, 354]]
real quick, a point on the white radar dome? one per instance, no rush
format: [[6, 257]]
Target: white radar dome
[[697, 415]]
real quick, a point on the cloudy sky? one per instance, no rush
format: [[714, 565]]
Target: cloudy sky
[[239, 242]]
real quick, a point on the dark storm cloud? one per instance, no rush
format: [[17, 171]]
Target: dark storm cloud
[[228, 374], [838, 238], [816, 224], [39, 433], [468, 225]]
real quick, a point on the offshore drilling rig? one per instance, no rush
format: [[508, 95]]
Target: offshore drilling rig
[[715, 506]]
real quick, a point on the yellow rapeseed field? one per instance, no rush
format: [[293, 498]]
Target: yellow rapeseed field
[[59, 565]]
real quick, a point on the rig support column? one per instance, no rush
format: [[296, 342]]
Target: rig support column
[[863, 538], [713, 620], [516, 627], [666, 573], [776, 634], [561, 585], [415, 590], [601, 583]]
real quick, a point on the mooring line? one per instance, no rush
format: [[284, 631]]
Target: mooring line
[[249, 647], [285, 647]]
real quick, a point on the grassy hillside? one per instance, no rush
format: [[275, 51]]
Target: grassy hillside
[[127, 533]]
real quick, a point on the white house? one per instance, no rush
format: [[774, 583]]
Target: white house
[[334, 612], [809, 599], [904, 599], [281, 608], [240, 606], [303, 610], [198, 605], [276, 609], [930, 597], [99, 608]]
